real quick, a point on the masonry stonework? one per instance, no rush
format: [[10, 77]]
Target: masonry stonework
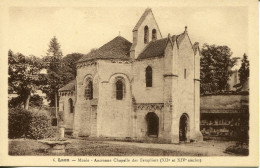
[[67, 101], [141, 89]]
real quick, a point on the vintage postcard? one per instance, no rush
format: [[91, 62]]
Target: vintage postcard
[[129, 83]]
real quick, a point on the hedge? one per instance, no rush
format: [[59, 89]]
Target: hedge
[[18, 122], [23, 123]]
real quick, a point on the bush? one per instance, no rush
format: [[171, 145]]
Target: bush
[[240, 149], [18, 122], [38, 126], [51, 132], [23, 123]]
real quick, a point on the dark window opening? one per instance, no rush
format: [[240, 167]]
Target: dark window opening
[[149, 76], [119, 90], [146, 34], [89, 90], [154, 34], [71, 107]]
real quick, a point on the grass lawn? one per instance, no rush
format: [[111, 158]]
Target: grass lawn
[[78, 147]]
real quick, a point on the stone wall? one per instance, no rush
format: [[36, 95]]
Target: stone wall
[[170, 94], [174, 93], [114, 117], [187, 88], [84, 108], [140, 121], [64, 106], [141, 93]]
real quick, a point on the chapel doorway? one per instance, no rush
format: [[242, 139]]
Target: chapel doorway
[[184, 128], [152, 124]]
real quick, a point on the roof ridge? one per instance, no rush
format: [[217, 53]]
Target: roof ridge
[[114, 39], [117, 48], [147, 10]]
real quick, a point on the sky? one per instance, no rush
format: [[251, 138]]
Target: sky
[[79, 29]]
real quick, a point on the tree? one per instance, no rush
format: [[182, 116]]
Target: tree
[[216, 64], [244, 70], [60, 71], [53, 64], [54, 48], [69, 69], [24, 77]]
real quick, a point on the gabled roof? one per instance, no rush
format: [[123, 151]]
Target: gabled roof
[[156, 48], [69, 87], [140, 21], [118, 48]]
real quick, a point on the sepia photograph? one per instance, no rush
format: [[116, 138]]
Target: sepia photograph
[[122, 84]]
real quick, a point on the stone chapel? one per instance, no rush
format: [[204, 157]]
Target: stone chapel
[[147, 88]]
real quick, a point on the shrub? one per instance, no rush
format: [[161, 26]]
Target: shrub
[[240, 149], [51, 132], [18, 122], [39, 126], [23, 123]]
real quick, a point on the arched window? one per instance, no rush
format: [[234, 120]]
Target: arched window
[[89, 90], [154, 34], [119, 90], [146, 34], [71, 107], [149, 76]]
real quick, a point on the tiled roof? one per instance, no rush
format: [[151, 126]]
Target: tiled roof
[[156, 48], [118, 48], [69, 87]]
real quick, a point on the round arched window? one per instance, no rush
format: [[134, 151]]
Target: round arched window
[[119, 90], [149, 76], [154, 34], [89, 90], [71, 107], [146, 34]]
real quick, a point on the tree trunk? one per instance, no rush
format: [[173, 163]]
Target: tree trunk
[[27, 101]]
